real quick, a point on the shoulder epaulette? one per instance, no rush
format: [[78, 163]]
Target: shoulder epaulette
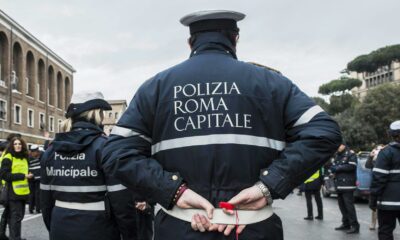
[[266, 67]]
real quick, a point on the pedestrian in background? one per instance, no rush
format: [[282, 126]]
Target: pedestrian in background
[[4, 215], [312, 187], [34, 183], [385, 194], [14, 171], [370, 163], [344, 169]]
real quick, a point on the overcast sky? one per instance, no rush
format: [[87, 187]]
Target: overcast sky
[[116, 45]]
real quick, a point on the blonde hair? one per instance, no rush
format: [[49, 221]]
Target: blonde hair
[[94, 115]]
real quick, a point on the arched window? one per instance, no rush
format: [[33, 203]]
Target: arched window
[[51, 86], [41, 87], [60, 91], [30, 75], [16, 73], [68, 92], [3, 59]]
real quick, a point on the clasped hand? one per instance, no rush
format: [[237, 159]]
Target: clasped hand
[[248, 199]]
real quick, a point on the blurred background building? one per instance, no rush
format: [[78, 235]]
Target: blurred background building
[[35, 84], [385, 74], [111, 117]]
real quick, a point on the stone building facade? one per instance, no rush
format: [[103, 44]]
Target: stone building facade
[[385, 74], [35, 84], [111, 117]]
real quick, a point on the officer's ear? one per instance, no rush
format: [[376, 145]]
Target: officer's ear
[[191, 40], [189, 43]]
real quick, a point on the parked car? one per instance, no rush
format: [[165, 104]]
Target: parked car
[[364, 177]]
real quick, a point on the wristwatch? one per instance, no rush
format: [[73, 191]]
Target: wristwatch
[[264, 190]]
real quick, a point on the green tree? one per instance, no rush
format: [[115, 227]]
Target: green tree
[[380, 107], [341, 103], [339, 86], [358, 135], [322, 103], [339, 99], [378, 58]]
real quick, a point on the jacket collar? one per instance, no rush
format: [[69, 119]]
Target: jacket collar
[[78, 139], [80, 125], [213, 41]]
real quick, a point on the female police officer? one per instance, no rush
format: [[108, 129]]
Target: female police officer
[[73, 184]]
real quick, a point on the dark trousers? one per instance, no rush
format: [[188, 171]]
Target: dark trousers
[[34, 196], [318, 200], [3, 221], [15, 217], [387, 223], [346, 206], [144, 225]]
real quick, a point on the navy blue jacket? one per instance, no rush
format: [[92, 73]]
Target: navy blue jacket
[[34, 167], [220, 125], [385, 183], [80, 149], [345, 169]]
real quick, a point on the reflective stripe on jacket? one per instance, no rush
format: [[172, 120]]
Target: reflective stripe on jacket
[[314, 177], [386, 178]]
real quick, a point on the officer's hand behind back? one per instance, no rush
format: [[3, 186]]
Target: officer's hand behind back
[[248, 199], [190, 199]]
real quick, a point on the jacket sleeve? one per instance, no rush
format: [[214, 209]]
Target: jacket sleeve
[[46, 197], [312, 137], [122, 205], [127, 153], [380, 173], [350, 166], [6, 172]]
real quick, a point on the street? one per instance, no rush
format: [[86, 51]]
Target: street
[[291, 210]]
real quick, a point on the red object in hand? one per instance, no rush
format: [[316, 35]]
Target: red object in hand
[[226, 205]]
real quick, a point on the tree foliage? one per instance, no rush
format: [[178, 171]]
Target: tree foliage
[[339, 85], [341, 103], [380, 108], [378, 58], [358, 135], [365, 124], [322, 103]]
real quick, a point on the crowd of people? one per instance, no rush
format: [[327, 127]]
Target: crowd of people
[[384, 186]]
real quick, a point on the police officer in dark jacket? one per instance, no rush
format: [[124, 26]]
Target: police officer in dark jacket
[[385, 194], [215, 129], [345, 170], [34, 183], [78, 200]]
